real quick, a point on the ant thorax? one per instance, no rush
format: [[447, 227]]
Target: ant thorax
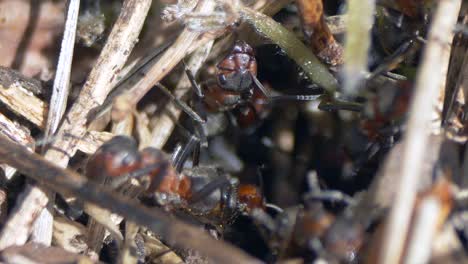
[[215, 198]]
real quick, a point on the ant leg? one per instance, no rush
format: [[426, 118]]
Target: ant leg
[[404, 51], [196, 156], [197, 101], [271, 206], [335, 105], [189, 111], [181, 154], [194, 84], [119, 181], [329, 195], [209, 188], [296, 97]]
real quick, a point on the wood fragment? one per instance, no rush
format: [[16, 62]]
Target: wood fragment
[[15, 95], [16, 133]]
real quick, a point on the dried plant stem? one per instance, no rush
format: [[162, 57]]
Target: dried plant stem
[[187, 42], [358, 38], [293, 47], [417, 136], [61, 88], [120, 43], [175, 232], [425, 227]]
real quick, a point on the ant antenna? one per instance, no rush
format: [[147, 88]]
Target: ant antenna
[[397, 57], [336, 105], [274, 207], [329, 195], [119, 88]]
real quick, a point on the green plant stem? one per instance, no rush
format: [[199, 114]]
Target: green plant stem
[[293, 47]]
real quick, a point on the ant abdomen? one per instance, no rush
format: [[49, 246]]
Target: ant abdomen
[[114, 158]]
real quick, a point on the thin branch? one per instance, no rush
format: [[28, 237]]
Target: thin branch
[[175, 232], [416, 140]]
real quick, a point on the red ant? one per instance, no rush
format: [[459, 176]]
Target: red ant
[[313, 231], [205, 192], [234, 89]]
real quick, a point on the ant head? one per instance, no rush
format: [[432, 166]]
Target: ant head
[[236, 70], [242, 47], [116, 157]]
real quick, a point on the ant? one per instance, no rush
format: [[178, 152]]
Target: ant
[[311, 231], [236, 89], [204, 192]]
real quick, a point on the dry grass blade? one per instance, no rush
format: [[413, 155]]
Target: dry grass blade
[[358, 39], [61, 88], [417, 136], [67, 182], [293, 47]]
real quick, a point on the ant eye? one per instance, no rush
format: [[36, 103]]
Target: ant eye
[[127, 160]]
